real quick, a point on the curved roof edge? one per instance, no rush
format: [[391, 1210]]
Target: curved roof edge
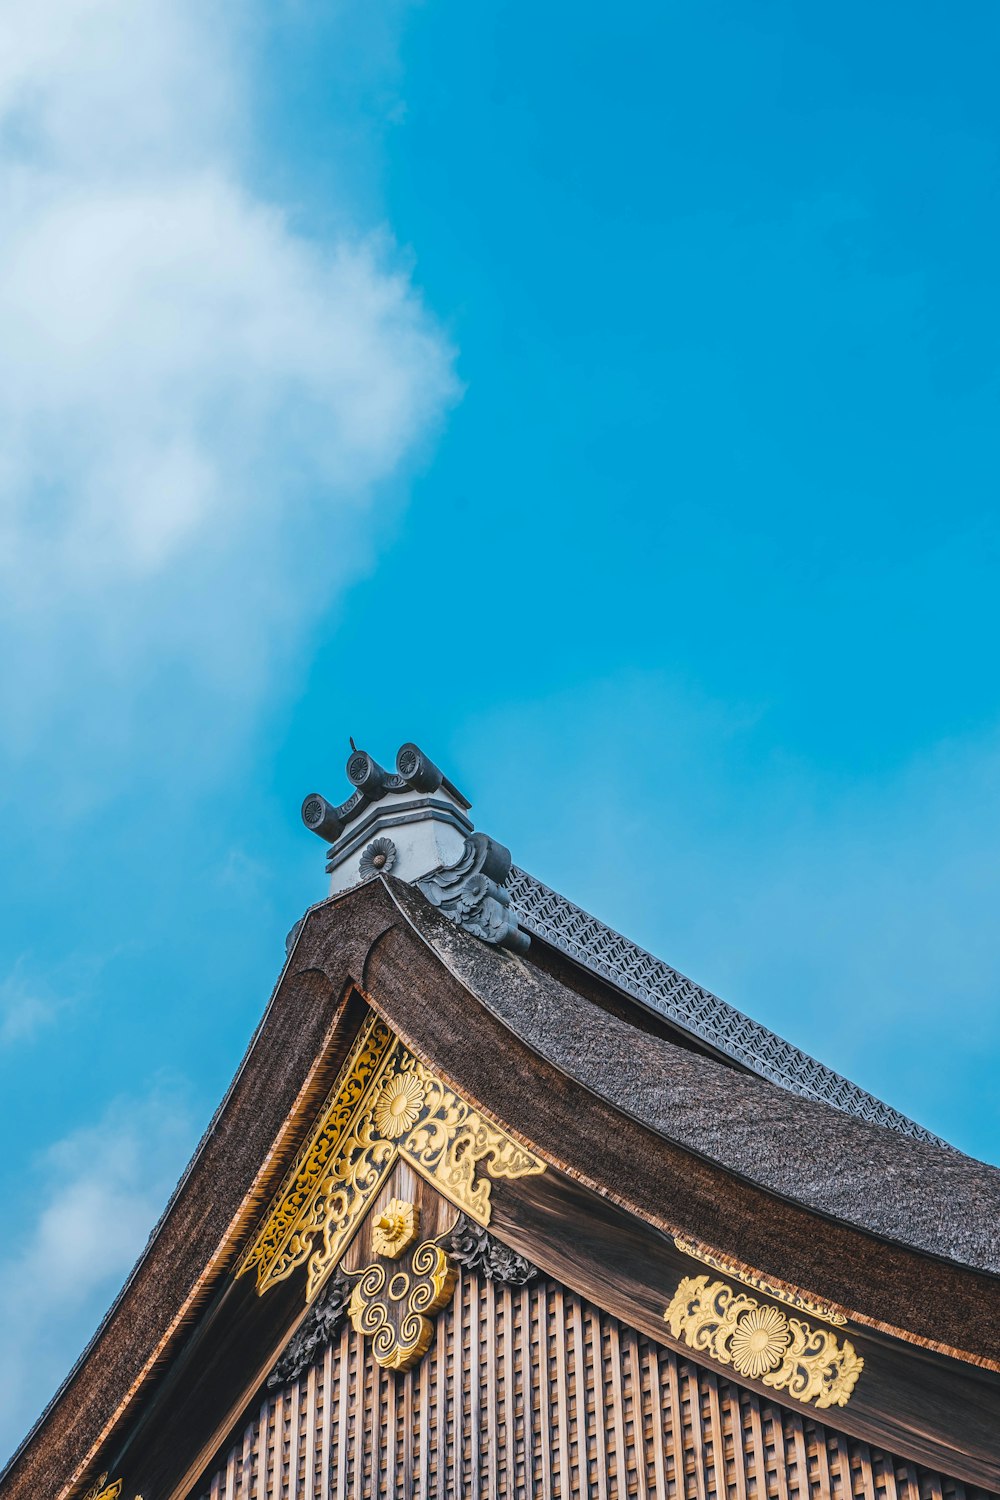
[[545, 914]]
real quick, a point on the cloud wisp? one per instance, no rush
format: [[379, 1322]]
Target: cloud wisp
[[96, 1195], [199, 405]]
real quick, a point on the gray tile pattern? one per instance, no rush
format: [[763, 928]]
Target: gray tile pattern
[[547, 915]]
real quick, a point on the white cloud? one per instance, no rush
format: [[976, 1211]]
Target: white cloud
[[197, 403], [95, 1197], [23, 1011]]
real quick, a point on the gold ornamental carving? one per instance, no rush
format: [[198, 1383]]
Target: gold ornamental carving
[[386, 1105], [101, 1490], [762, 1283], [763, 1343], [395, 1229], [393, 1307]]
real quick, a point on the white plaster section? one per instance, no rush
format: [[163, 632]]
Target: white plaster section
[[424, 838]]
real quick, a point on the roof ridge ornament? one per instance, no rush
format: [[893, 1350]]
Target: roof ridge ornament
[[470, 893], [415, 771], [414, 822]]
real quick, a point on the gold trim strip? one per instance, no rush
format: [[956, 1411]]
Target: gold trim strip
[[749, 1277]]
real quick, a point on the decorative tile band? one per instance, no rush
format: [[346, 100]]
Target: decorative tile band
[[762, 1343], [543, 913]]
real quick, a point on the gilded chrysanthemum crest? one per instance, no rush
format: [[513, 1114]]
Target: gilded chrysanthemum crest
[[760, 1342], [398, 1106]]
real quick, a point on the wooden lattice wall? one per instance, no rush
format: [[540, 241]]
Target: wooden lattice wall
[[531, 1394]]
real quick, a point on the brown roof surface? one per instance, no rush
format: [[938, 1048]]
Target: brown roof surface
[[911, 1191], [532, 1045]]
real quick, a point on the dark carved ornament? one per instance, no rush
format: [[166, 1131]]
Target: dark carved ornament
[[377, 859], [467, 1246], [475, 1249], [322, 1323], [470, 893]]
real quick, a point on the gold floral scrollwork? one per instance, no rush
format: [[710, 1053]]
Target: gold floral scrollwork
[[335, 1175], [101, 1490], [451, 1143], [386, 1105], [393, 1309], [763, 1344]]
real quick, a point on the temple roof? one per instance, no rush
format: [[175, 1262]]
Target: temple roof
[[668, 1133], [899, 1186], [418, 794], [651, 1146]]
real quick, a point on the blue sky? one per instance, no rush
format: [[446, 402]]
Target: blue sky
[[605, 399]]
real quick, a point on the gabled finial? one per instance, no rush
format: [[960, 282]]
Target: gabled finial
[[432, 844]]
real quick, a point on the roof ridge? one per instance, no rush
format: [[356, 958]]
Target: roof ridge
[[545, 914]]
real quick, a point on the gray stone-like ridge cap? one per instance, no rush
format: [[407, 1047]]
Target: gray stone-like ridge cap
[[547, 915]]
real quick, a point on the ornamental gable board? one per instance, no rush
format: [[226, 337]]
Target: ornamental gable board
[[498, 1204]]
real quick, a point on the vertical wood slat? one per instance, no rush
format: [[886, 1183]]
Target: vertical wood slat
[[758, 1450], [656, 1407], [633, 1365], [801, 1460], [344, 1412], [818, 1440], [693, 1384], [326, 1430], [593, 1336], [867, 1483], [577, 1397], [564, 1490], [358, 1388], [780, 1456], [475, 1397], [717, 1432], [309, 1435], [545, 1391], [530, 1395], [511, 1364], [458, 1361], [293, 1442], [617, 1404], [263, 1423], [912, 1488], [445, 1449], [276, 1477], [387, 1482], [550, 1370], [678, 1449], [492, 1394], [408, 1445], [735, 1409]]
